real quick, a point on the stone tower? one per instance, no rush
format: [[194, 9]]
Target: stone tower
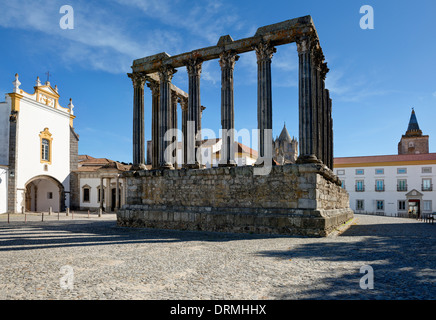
[[285, 148], [413, 142]]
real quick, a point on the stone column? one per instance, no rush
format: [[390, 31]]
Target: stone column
[[174, 103], [138, 121], [154, 87], [227, 63], [308, 101], [330, 134], [108, 196], [117, 193], [264, 53], [184, 106], [101, 193], [165, 75], [193, 135]]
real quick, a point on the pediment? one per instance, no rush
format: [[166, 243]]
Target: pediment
[[48, 90], [414, 193]]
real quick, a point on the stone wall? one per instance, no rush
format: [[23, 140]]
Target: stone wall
[[303, 199]]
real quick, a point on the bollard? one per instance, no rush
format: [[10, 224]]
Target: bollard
[[58, 215], [8, 217], [99, 212], [50, 210], [67, 211], [72, 214], [42, 219], [88, 214], [25, 218]]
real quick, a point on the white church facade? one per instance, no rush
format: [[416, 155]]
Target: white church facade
[[38, 150]]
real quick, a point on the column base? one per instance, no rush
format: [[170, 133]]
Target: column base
[[140, 166], [194, 166], [166, 166], [308, 158]]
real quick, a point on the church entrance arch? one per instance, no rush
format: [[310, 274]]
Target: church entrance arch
[[44, 192]]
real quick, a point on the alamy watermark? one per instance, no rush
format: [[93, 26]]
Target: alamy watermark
[[67, 280], [367, 281], [67, 20], [367, 20]]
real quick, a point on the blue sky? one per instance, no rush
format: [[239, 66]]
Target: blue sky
[[376, 76]]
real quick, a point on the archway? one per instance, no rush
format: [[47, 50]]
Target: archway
[[44, 192]]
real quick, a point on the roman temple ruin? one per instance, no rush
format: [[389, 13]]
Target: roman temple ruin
[[304, 198]]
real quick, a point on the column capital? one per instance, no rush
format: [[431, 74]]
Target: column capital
[[183, 103], [194, 66], [228, 59], [154, 87], [264, 51], [166, 73], [138, 79]]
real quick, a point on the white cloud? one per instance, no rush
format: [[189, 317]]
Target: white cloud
[[103, 39]]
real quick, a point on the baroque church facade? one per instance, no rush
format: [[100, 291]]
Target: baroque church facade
[[38, 150]]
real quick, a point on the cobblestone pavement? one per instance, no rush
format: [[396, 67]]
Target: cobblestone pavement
[[91, 258]]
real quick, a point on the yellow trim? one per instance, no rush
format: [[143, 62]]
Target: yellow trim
[[15, 101], [45, 134], [72, 117], [384, 164]]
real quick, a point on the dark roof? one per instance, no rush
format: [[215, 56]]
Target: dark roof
[[413, 125], [284, 135]]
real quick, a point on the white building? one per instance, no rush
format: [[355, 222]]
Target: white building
[[97, 174], [392, 184], [210, 153], [38, 150]]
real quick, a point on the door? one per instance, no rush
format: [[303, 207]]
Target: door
[[414, 208]]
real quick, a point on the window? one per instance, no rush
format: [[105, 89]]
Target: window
[[380, 205], [427, 205], [379, 185], [343, 184], [45, 146], [426, 185], [86, 194], [340, 172], [426, 170], [401, 205], [401, 170], [401, 185], [360, 186], [360, 204], [379, 171], [49, 195], [360, 171]]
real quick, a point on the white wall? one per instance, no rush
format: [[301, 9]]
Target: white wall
[[3, 190], [390, 196], [33, 118]]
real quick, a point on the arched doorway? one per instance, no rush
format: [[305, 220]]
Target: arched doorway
[[44, 192]]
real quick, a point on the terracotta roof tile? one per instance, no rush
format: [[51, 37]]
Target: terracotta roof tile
[[385, 158]]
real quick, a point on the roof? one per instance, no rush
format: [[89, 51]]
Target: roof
[[284, 135], [91, 164], [385, 160], [413, 122]]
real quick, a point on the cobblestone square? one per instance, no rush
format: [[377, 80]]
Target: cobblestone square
[[99, 260]]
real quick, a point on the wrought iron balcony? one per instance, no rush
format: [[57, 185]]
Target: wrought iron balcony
[[379, 188], [360, 188], [427, 187], [401, 187]]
